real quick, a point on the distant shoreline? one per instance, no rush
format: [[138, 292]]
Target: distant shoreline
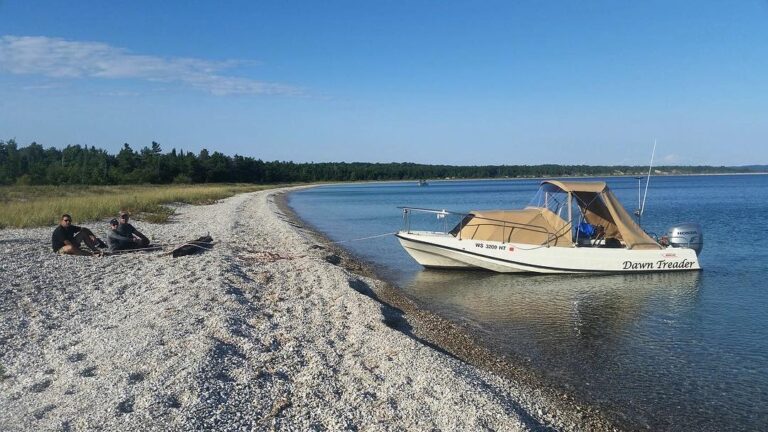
[[87, 165], [529, 178]]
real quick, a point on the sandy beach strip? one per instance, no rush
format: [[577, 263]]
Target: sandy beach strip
[[270, 330]]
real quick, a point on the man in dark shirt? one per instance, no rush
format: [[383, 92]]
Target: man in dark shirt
[[67, 238], [125, 229]]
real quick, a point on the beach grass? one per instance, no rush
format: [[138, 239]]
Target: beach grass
[[33, 206]]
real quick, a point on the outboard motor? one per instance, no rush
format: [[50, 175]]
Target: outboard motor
[[687, 235]]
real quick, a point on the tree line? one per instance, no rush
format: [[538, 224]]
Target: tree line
[[75, 164]]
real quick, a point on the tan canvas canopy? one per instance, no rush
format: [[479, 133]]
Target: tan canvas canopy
[[596, 187], [537, 226], [540, 226], [601, 207]]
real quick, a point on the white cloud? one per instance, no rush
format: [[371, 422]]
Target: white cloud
[[46, 86], [119, 93], [671, 159], [59, 58]]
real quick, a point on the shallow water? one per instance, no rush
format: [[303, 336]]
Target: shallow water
[[672, 351]]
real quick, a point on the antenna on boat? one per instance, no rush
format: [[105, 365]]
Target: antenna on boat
[[648, 180]]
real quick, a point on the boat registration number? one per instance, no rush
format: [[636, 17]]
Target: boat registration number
[[492, 246]]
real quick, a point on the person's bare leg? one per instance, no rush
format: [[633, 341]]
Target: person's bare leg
[[73, 250]]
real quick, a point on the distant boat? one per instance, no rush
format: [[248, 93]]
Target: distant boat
[[423, 182], [571, 227]]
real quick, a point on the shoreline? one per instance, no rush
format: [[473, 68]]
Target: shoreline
[[451, 339], [323, 183], [268, 330]]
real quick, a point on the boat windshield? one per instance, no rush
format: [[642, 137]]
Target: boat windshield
[[552, 198], [585, 207]]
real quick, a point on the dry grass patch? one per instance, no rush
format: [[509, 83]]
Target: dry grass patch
[[32, 206]]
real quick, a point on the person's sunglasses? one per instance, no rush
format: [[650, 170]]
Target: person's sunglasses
[[124, 217], [66, 220]]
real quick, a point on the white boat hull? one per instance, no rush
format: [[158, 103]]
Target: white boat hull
[[441, 250]]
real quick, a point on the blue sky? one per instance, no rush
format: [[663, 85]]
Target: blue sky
[[475, 82]]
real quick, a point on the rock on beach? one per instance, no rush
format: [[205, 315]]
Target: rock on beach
[[263, 332]]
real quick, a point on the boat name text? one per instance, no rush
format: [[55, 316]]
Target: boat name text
[[658, 265]]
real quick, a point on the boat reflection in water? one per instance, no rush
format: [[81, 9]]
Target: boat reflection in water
[[570, 301], [610, 338]]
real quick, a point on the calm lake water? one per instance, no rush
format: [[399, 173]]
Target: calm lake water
[[675, 351]]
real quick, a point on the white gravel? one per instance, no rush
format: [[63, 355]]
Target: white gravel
[[260, 333]]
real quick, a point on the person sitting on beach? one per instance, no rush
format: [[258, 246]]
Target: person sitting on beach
[[125, 229], [116, 241], [67, 238]]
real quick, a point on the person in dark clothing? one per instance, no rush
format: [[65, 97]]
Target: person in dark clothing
[[125, 229], [67, 238], [116, 241]]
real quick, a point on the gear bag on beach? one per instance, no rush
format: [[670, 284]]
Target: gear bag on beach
[[202, 244]]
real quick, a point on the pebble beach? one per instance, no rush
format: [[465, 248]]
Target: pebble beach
[[272, 329]]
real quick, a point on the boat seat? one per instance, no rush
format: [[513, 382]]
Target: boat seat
[[586, 234], [612, 243]]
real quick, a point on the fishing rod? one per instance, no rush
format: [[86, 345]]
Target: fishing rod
[[647, 181], [639, 195], [161, 246], [144, 249]]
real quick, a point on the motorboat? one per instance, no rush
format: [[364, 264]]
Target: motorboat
[[569, 227]]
